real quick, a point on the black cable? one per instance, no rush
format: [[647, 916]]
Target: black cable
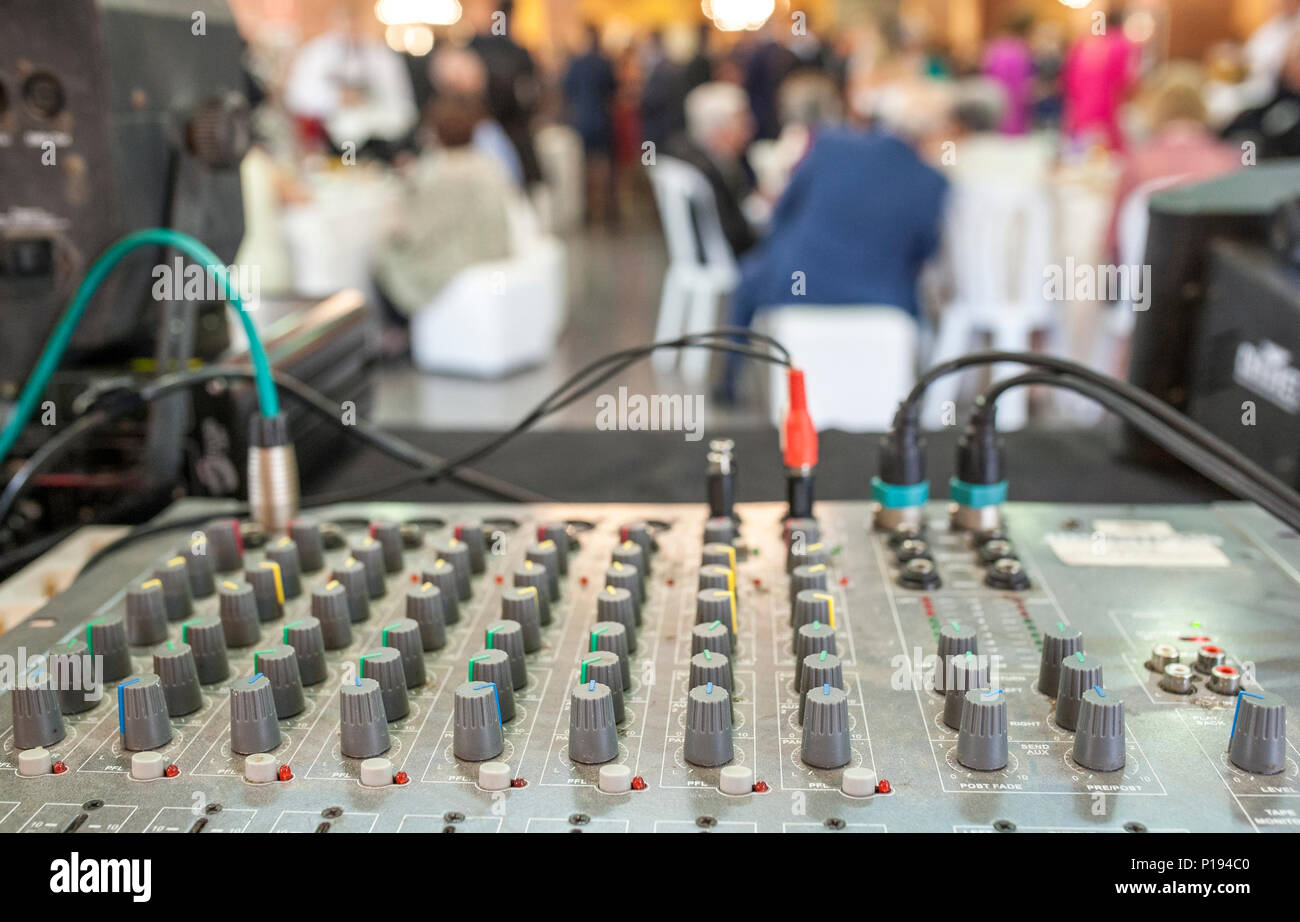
[[1223, 473], [367, 432], [552, 403], [623, 359], [906, 420]]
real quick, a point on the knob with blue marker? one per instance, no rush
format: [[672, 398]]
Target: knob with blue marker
[[826, 728], [982, 739], [1257, 742], [142, 720], [708, 726], [253, 723], [477, 734], [1099, 731], [363, 725], [593, 733]]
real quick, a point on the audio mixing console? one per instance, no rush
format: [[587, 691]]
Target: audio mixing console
[[618, 668]]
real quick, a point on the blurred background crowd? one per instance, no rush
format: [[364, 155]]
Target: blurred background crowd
[[518, 187]]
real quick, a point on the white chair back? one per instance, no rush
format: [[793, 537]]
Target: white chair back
[[680, 191], [859, 361]]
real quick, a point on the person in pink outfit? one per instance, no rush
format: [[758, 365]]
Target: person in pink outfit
[[1099, 71], [1009, 63]]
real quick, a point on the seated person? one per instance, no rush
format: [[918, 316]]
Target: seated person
[[462, 73], [856, 224], [718, 129], [457, 214]]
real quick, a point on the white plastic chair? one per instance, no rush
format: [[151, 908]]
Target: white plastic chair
[[859, 361], [497, 317], [998, 236], [693, 289]]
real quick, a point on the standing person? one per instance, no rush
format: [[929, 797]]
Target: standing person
[[769, 64], [512, 78], [589, 88], [1008, 61], [1099, 71], [663, 94]]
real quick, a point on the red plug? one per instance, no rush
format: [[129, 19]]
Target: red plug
[[798, 434]]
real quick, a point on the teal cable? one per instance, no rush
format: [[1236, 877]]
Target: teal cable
[[267, 398]]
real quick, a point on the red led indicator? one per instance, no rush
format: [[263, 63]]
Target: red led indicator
[[760, 787], [500, 579], [401, 778], [59, 768], [583, 580], [171, 771], [882, 787], [518, 783], [638, 783], [284, 773], [844, 580]]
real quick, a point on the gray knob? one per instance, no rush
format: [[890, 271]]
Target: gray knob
[[370, 554], [982, 739], [1079, 673], [389, 536], [178, 675], [716, 577], [545, 554], [476, 722], [283, 552], [72, 670], [280, 666], [424, 607], [559, 533], [1099, 736], [719, 530], [142, 713], [494, 666], [718, 555], [207, 642], [37, 721], [1059, 641], [351, 575], [306, 535], [329, 606], [443, 575], [174, 578], [146, 613], [707, 666], [811, 638], [812, 605], [238, 609], [602, 667], [641, 534], [615, 605], [363, 726], [522, 605], [612, 636], [508, 636], [593, 736], [800, 532], [818, 669], [404, 637], [198, 564], [708, 726], [253, 724], [714, 637], [308, 642], [472, 534], [534, 575], [955, 638], [106, 638], [826, 727], [456, 553], [969, 673], [385, 667], [412, 536], [1258, 740], [225, 544], [807, 576], [717, 605], [625, 576], [268, 589], [630, 554], [809, 555]]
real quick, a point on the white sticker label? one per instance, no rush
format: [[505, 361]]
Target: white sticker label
[[1111, 549]]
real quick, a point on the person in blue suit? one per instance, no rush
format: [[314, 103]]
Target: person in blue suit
[[856, 224]]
